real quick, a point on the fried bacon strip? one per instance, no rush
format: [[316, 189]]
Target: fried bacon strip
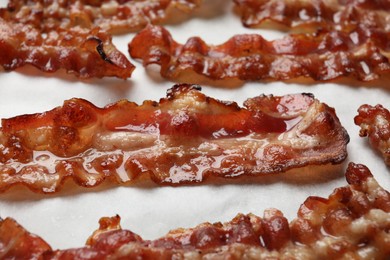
[[83, 52], [374, 122], [113, 16], [182, 139], [325, 14], [363, 55], [353, 223]]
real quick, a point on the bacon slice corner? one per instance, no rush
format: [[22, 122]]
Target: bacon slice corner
[[321, 57], [374, 122], [324, 14], [184, 138], [18, 243], [83, 52], [352, 223], [113, 16]]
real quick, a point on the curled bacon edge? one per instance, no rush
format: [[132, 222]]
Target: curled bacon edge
[[374, 122], [352, 222]]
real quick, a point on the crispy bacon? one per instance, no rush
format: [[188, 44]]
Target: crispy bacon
[[114, 16], [325, 14], [83, 52], [182, 139], [374, 122], [363, 55], [353, 223], [18, 243]]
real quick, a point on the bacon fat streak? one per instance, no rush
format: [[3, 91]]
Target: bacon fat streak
[[374, 122], [324, 14], [182, 139], [113, 16], [361, 54], [352, 223], [83, 52]]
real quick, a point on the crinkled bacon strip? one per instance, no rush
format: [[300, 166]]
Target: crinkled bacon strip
[[114, 16], [83, 52], [352, 223], [374, 122], [182, 139], [361, 55], [325, 14]]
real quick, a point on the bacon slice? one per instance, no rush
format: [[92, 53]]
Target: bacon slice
[[363, 55], [182, 139], [353, 223], [325, 14], [374, 122], [83, 52], [18, 243], [114, 16]]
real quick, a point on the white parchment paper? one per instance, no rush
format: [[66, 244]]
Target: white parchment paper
[[66, 219]]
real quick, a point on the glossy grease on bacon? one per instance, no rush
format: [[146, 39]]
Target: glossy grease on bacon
[[361, 55], [352, 223], [374, 122], [113, 16], [317, 14], [182, 139], [82, 52]]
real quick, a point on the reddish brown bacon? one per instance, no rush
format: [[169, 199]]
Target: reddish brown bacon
[[182, 139], [17, 243], [374, 122], [114, 16], [325, 14], [353, 223], [83, 52], [362, 55]]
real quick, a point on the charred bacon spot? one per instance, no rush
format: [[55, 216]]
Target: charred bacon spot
[[100, 49]]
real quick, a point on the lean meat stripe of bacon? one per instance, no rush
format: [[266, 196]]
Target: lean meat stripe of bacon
[[83, 52], [374, 122], [182, 139], [363, 55], [325, 14], [114, 16], [352, 223]]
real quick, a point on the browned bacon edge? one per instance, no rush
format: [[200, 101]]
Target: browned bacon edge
[[184, 138], [360, 54], [323, 14], [374, 122], [83, 52], [117, 16], [352, 223]]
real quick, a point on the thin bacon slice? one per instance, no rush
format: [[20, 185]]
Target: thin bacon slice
[[113, 16], [182, 139], [325, 14], [374, 122], [83, 52], [352, 223], [363, 55]]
